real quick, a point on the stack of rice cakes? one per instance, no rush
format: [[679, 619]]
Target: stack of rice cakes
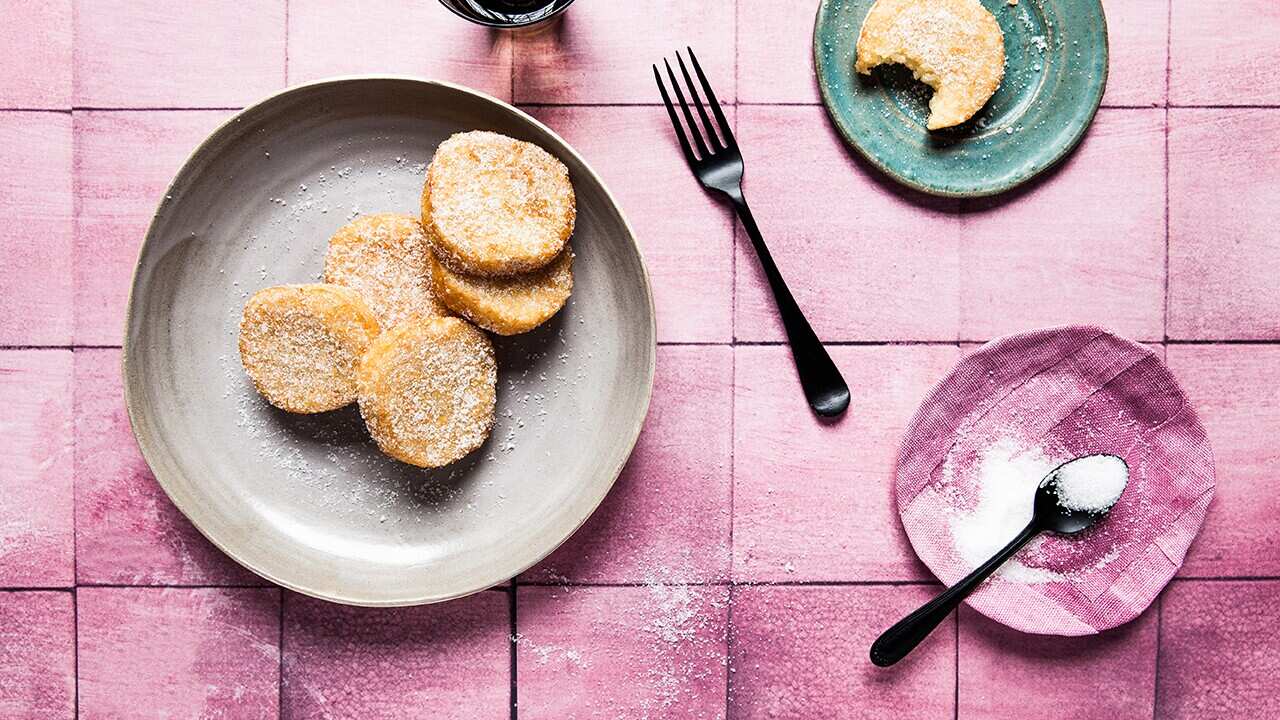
[[492, 246]]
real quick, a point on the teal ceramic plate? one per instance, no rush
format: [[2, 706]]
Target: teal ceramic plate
[[1055, 71]]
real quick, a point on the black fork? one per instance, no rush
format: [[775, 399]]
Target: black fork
[[718, 166]]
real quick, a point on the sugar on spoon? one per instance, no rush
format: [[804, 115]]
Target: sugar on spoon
[[1069, 500]]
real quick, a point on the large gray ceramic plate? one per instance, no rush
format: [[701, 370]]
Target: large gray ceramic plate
[[308, 501]]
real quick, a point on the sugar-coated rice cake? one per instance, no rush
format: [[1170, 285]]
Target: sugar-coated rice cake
[[495, 206], [385, 258], [427, 389], [507, 305], [301, 345], [954, 46]]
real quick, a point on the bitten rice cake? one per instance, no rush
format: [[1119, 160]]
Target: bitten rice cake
[[507, 305], [427, 389], [385, 258], [954, 46], [301, 345], [496, 206]]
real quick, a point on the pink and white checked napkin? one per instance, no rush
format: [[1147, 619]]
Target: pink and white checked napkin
[[1076, 391]]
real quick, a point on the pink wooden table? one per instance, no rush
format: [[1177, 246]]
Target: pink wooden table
[[748, 555]]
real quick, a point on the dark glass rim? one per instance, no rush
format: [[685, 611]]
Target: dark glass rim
[[555, 9]]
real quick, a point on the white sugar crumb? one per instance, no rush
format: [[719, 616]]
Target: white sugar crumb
[[676, 625], [1091, 484], [544, 654]]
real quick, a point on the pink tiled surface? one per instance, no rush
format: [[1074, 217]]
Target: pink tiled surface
[[581, 59], [622, 652], [366, 36], [1100, 218], [124, 160], [748, 554], [36, 37], [800, 652], [1099, 678], [667, 517], [36, 524], [127, 531], [36, 203], [1219, 651], [809, 503], [1224, 166], [37, 654], [1221, 54], [178, 652], [436, 661], [157, 54]]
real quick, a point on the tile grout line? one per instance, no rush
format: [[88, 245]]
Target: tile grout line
[[286, 43], [733, 374], [618, 584], [733, 483], [142, 109], [280, 664], [1155, 675], [1168, 71], [625, 584], [511, 645], [224, 108], [955, 698], [1265, 342], [75, 457], [75, 650]]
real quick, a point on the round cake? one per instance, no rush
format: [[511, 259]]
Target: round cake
[[427, 389], [495, 206], [301, 345]]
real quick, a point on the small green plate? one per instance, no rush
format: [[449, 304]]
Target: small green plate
[[1055, 72]]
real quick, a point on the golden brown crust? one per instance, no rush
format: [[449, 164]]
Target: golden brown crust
[[496, 206], [508, 305], [386, 259], [301, 345], [427, 389], [954, 46]]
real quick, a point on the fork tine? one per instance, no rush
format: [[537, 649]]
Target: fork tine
[[693, 126], [675, 121], [726, 130], [710, 129]]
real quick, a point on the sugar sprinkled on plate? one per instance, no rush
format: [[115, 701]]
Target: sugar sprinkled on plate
[[1008, 474], [1005, 475]]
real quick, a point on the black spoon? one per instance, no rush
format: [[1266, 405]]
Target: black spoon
[[1050, 513]]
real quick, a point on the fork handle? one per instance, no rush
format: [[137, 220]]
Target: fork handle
[[818, 374]]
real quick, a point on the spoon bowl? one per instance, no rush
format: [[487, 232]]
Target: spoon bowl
[[1057, 510]]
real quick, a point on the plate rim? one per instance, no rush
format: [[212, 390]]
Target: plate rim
[[149, 447], [912, 530], [986, 190]]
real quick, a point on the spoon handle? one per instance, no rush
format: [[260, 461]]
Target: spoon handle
[[899, 640]]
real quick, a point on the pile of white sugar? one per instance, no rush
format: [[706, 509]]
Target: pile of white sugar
[[1091, 484], [1006, 475]]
